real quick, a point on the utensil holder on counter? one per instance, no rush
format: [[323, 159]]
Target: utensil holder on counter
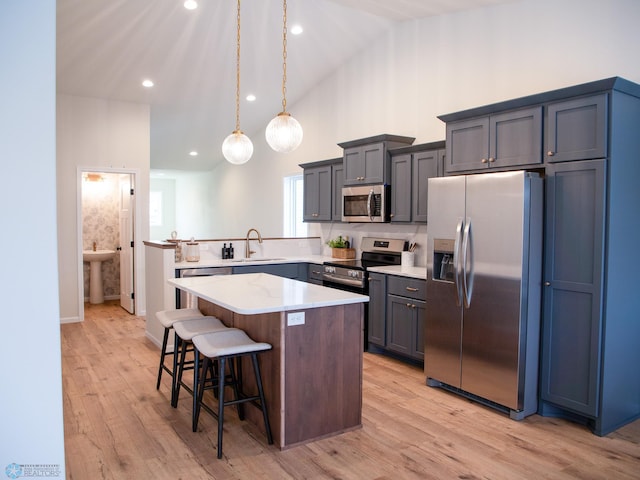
[[408, 259]]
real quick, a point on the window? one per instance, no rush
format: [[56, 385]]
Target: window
[[155, 209], [293, 202]]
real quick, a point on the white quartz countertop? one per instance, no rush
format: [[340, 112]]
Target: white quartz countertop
[[419, 273], [238, 262], [253, 293]]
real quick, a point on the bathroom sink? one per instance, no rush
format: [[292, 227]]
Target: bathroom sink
[[97, 255]]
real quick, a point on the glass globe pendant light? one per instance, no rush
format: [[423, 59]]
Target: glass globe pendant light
[[284, 133], [237, 147]]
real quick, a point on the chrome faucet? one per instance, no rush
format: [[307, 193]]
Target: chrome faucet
[[247, 250]]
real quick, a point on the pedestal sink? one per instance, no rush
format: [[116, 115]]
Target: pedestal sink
[[95, 259]]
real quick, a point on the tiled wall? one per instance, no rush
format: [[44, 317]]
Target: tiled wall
[[101, 224]]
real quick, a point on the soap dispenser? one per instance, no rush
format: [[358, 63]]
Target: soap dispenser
[[230, 250], [225, 254]]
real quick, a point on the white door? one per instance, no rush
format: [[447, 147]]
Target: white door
[[126, 242]]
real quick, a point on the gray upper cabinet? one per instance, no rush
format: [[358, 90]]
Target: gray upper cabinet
[[411, 167], [319, 195], [577, 129], [366, 161], [401, 188], [365, 164], [502, 140], [337, 183]]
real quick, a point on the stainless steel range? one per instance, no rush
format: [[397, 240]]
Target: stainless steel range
[[351, 275]]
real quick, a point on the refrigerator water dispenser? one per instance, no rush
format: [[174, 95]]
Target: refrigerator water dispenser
[[443, 259]]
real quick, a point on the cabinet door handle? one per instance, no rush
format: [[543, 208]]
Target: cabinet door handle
[[484, 160], [547, 284], [392, 215], [491, 159], [550, 153], [408, 305], [411, 289]]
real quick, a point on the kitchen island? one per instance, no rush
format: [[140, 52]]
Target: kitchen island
[[313, 375]]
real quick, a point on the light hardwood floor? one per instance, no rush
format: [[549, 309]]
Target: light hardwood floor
[[118, 426]]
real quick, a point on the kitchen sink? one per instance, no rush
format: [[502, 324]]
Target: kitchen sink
[[247, 260]]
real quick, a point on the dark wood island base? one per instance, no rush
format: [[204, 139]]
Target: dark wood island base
[[313, 375]]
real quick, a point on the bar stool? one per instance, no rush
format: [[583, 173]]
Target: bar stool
[[222, 346], [167, 318], [184, 331]]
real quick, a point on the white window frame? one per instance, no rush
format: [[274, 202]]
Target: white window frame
[[293, 204]]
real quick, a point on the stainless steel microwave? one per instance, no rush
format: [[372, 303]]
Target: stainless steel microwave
[[365, 204]]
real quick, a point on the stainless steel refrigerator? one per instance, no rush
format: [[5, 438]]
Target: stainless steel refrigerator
[[484, 263]]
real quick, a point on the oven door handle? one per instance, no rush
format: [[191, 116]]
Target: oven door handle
[[342, 280]]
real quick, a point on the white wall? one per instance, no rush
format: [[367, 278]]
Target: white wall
[[108, 136], [31, 414], [430, 67]]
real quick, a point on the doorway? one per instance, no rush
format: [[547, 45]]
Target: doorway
[[107, 222]]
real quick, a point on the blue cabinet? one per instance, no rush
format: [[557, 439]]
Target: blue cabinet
[[411, 168], [498, 141]]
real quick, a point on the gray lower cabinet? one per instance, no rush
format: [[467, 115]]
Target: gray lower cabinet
[[406, 308], [295, 271], [502, 140], [376, 329], [314, 273]]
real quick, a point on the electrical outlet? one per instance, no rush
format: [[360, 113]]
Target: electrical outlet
[[295, 318]]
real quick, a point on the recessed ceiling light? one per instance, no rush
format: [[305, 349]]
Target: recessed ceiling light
[[147, 83], [193, 153], [296, 29], [251, 97], [190, 4]]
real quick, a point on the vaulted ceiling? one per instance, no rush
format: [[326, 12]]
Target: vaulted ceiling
[[105, 48]]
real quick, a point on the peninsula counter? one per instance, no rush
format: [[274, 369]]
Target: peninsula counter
[[313, 375]]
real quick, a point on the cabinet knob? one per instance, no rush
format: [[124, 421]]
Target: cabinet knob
[[547, 284], [550, 153], [491, 159], [392, 215], [484, 160], [408, 305]]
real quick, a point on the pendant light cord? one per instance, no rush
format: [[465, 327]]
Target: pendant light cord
[[284, 56], [238, 73]]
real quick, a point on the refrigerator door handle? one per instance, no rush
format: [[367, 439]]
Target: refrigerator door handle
[[467, 260], [456, 258]]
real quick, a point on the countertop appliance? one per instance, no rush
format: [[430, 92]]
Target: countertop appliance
[[484, 264], [365, 204], [351, 275]]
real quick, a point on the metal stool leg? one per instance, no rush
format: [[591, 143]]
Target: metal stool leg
[[221, 365], [263, 405], [165, 339]]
